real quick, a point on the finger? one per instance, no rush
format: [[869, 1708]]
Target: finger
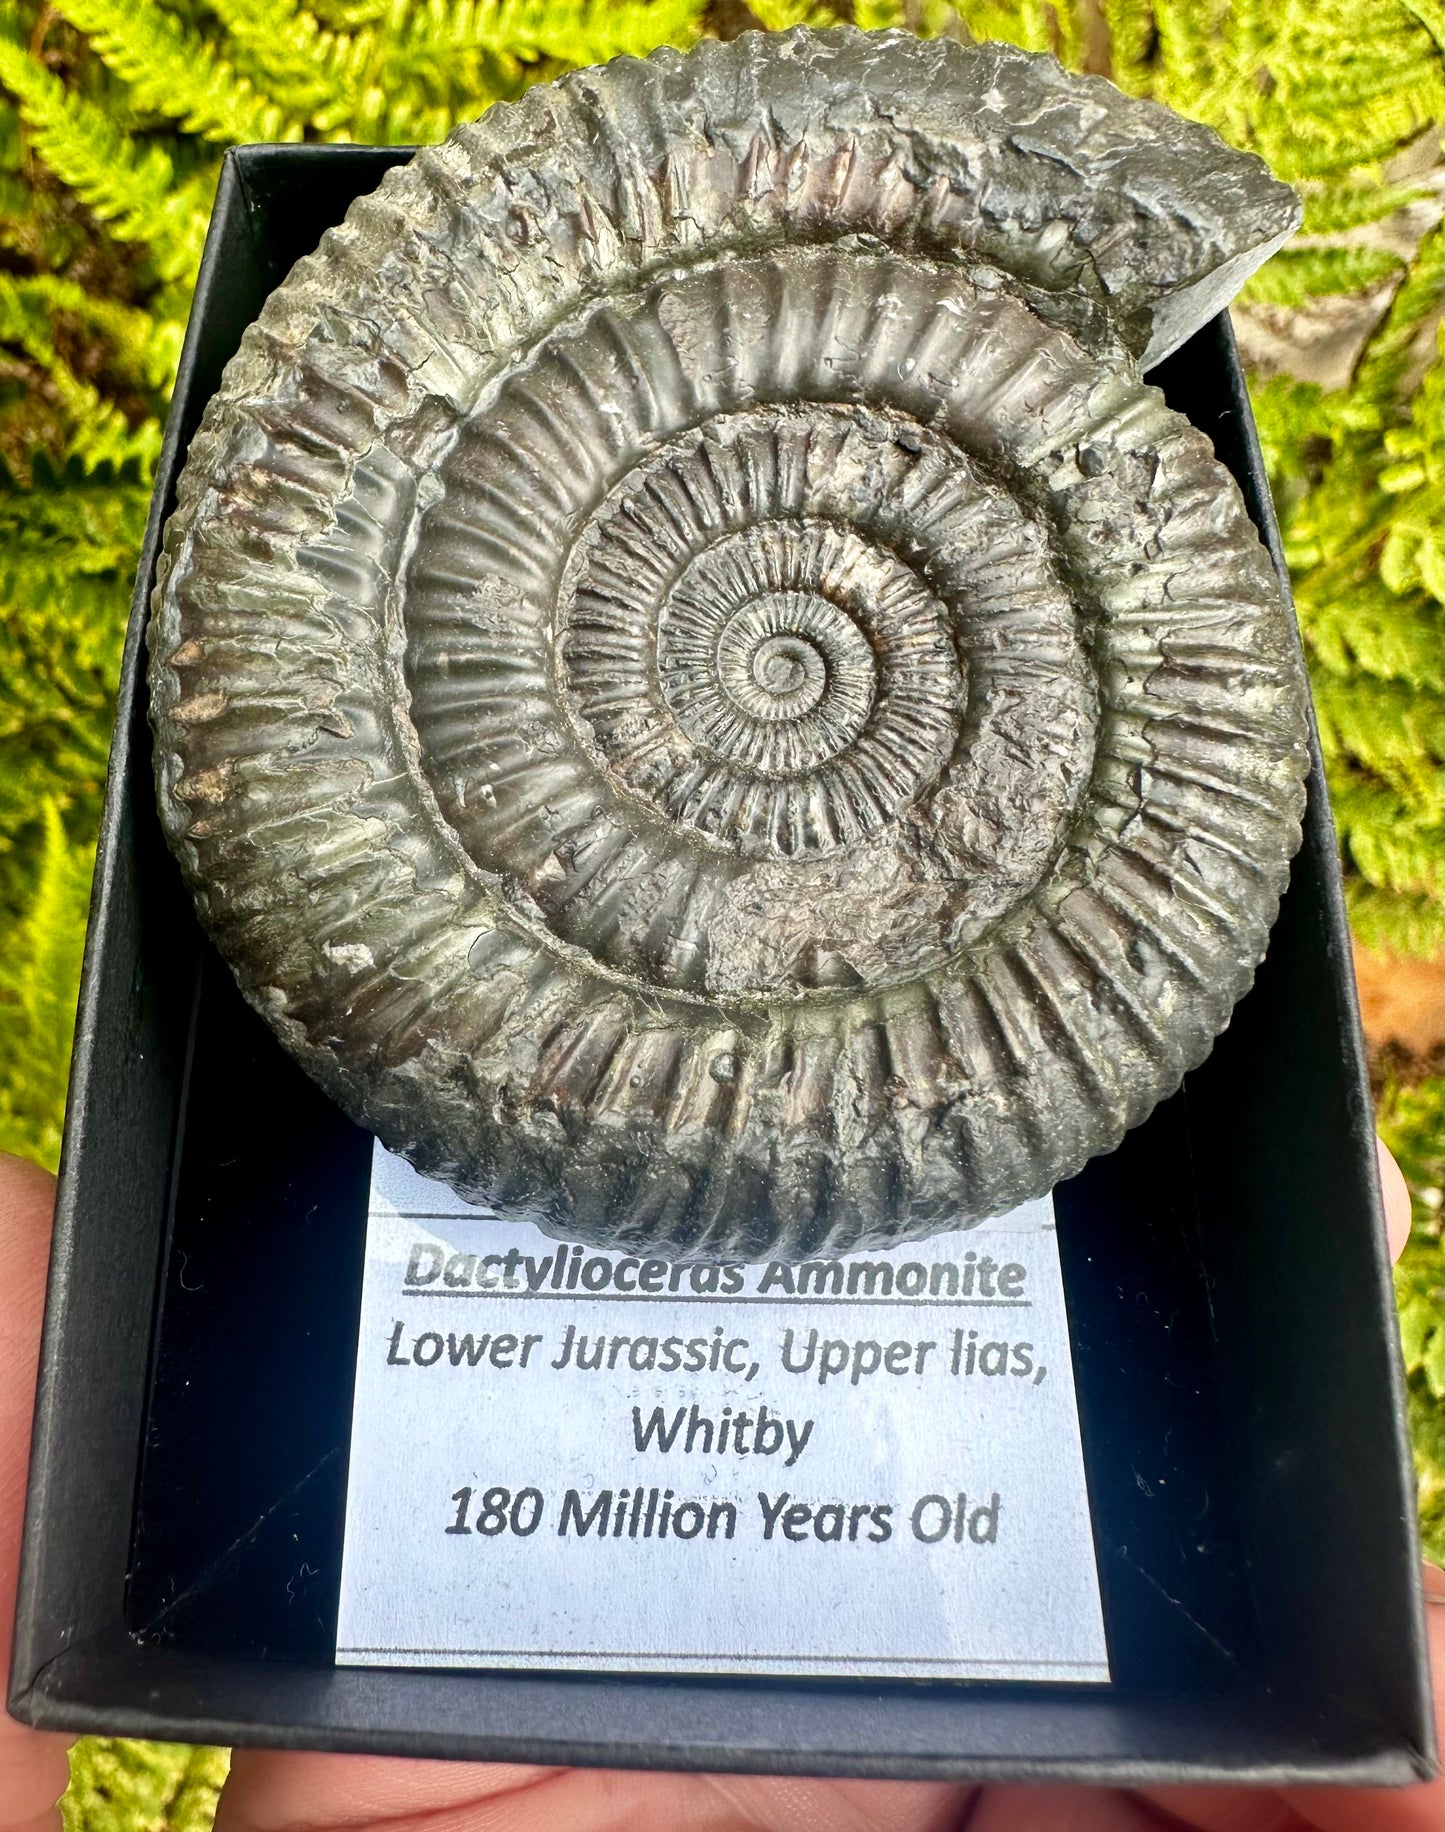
[[32, 1765], [788, 1805], [1233, 1809], [1410, 1809], [1318, 1809], [1396, 1192], [1070, 1809], [273, 1792]]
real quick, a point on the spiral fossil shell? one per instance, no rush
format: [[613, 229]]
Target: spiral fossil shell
[[695, 685]]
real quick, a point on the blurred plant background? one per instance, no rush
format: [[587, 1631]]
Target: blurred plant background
[[113, 118]]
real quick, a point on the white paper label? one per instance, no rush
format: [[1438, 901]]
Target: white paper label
[[565, 1458]]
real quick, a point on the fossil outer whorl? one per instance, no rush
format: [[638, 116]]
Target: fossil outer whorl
[[695, 685]]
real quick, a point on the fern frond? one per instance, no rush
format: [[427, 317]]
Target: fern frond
[[1298, 274], [132, 187], [1395, 846], [174, 72], [1319, 91], [573, 32], [1412, 1123], [102, 519], [1360, 198], [420, 68], [411, 71], [1416, 301], [1391, 729], [1431, 15], [1414, 551], [1369, 629], [288, 54], [67, 552], [98, 431], [781, 15], [1133, 43], [1395, 923], [1029, 24], [39, 973], [141, 350]]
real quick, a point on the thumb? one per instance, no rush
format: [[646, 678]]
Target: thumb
[[32, 1764]]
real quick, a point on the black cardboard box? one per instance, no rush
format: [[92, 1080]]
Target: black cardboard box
[[1230, 1300]]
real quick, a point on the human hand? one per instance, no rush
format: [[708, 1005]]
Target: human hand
[[279, 1792], [32, 1765]]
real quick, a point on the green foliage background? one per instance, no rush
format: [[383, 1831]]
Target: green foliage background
[[113, 117]]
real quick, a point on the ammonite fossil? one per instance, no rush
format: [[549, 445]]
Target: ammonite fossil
[[695, 685]]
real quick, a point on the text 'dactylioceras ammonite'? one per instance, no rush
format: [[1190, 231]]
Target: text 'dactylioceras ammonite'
[[695, 685]]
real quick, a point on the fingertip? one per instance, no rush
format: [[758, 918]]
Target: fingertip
[[271, 1790], [27, 1201], [33, 1765], [1396, 1193], [27, 1195]]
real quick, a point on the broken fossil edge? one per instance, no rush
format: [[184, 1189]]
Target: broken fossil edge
[[695, 686]]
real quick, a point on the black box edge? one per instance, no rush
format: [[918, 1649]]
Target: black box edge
[[42, 1674]]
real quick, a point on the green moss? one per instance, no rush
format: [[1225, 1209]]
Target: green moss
[[117, 1786]]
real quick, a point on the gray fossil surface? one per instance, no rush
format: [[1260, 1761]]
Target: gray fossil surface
[[694, 683]]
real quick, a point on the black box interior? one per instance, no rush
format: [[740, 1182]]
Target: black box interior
[[1228, 1289]]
